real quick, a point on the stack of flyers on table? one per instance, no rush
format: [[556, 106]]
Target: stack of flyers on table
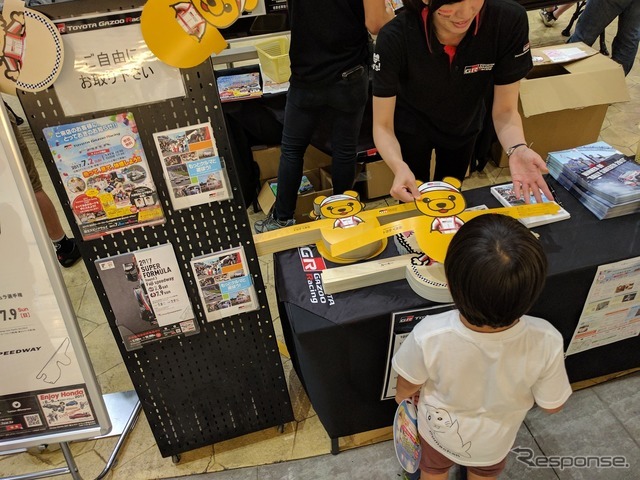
[[507, 197], [603, 179], [240, 86], [194, 172], [105, 174], [147, 295], [225, 283]]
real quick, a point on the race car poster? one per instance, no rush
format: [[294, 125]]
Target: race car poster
[[193, 171], [105, 174], [147, 295], [44, 389]]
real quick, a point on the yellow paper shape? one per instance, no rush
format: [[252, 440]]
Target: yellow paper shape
[[178, 34]]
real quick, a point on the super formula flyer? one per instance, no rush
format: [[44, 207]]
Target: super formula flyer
[[105, 174]]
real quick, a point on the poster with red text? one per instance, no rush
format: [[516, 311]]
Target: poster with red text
[[105, 174]]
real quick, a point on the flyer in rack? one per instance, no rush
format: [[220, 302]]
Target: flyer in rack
[[225, 283], [193, 170], [147, 295], [105, 174]]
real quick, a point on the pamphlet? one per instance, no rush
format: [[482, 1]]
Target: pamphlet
[[612, 309], [193, 171], [601, 169], [225, 283], [405, 436], [505, 194], [147, 295], [239, 87], [105, 174]]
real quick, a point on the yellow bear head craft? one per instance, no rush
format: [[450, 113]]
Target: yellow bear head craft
[[344, 210]]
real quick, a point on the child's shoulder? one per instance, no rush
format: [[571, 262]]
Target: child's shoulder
[[541, 327], [432, 324]]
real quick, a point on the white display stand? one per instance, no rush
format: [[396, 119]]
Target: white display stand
[[49, 393]]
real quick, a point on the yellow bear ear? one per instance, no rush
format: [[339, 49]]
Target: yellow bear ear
[[454, 182], [418, 183], [353, 193], [316, 206], [318, 200], [250, 5]]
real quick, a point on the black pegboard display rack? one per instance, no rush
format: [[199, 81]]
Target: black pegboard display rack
[[227, 380]]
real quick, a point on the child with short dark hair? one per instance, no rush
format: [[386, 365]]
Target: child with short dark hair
[[480, 368]]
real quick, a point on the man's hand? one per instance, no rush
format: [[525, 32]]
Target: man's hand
[[527, 168], [404, 185]]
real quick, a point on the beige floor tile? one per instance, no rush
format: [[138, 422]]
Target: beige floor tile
[[311, 439], [258, 448]]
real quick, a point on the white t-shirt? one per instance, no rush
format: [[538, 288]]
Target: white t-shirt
[[477, 387]]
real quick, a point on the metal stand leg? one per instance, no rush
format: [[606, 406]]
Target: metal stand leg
[[335, 446], [131, 422], [73, 468]]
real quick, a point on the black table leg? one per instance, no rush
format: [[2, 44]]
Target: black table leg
[[335, 446]]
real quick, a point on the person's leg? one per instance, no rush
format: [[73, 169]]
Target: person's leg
[[66, 248], [300, 120], [625, 44], [430, 476], [490, 472], [597, 15], [547, 15], [347, 102], [473, 476], [454, 162], [561, 9], [433, 465]]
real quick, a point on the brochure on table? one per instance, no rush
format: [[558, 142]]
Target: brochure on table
[[402, 324], [109, 66], [44, 390], [147, 295], [612, 310], [105, 174], [193, 171], [505, 194]]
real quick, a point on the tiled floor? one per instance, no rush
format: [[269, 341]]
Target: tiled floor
[[601, 420]]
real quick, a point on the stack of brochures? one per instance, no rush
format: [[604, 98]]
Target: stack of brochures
[[603, 179], [507, 197]]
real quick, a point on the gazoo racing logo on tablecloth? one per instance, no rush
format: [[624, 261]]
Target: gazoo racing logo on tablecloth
[[478, 67], [312, 267]]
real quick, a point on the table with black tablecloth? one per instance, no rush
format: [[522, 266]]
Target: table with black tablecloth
[[338, 343]]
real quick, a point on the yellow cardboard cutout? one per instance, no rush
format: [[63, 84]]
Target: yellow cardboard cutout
[[443, 213], [348, 216], [184, 34]]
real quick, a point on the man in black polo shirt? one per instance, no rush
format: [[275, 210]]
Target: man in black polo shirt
[[433, 67], [329, 82]]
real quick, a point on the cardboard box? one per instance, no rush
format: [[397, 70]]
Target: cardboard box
[[564, 99], [378, 179], [268, 159], [304, 204]]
